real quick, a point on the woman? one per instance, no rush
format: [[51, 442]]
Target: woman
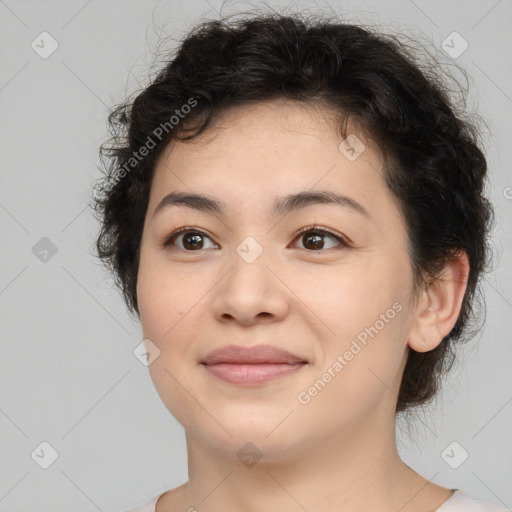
[[297, 218]]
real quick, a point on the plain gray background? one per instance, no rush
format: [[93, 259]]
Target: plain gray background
[[68, 374]]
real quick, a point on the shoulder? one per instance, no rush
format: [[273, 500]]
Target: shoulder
[[462, 502], [148, 506]]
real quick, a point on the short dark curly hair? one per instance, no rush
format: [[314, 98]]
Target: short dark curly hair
[[431, 150]]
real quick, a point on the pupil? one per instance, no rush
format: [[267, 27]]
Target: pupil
[[317, 244], [196, 241]]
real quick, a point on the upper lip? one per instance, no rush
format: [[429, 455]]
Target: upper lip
[[258, 354]]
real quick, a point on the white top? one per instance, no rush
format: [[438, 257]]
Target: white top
[[458, 502]]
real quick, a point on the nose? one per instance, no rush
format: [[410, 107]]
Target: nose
[[250, 293]]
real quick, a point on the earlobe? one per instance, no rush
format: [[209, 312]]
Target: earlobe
[[438, 308]]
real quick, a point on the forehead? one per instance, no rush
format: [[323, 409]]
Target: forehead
[[259, 149]]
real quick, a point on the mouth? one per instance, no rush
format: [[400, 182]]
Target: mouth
[[249, 374], [248, 366]]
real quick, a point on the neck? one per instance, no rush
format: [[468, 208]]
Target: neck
[[356, 470]]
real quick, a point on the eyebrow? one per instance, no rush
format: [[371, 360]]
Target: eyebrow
[[281, 206]]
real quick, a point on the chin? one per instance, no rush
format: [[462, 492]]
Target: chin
[[263, 438]]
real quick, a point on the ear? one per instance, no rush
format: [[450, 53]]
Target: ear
[[439, 305]]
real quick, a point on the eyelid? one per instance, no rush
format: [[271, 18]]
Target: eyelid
[[170, 239], [344, 240]]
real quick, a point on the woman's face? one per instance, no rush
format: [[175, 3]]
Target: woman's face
[[245, 276]]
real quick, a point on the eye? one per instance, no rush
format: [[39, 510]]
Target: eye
[[312, 238], [191, 239]]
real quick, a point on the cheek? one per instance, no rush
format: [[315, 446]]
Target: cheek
[[164, 300], [163, 297], [367, 316], [359, 365], [350, 298]]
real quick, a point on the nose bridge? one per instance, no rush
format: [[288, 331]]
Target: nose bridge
[[250, 288], [250, 249], [250, 275]]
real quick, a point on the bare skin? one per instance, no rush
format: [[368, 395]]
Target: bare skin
[[335, 449]]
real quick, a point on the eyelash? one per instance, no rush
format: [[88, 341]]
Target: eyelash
[[314, 228]]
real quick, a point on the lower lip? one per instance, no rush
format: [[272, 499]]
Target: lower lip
[[251, 373]]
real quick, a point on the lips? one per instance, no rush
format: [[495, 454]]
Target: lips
[[259, 354], [251, 366]]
